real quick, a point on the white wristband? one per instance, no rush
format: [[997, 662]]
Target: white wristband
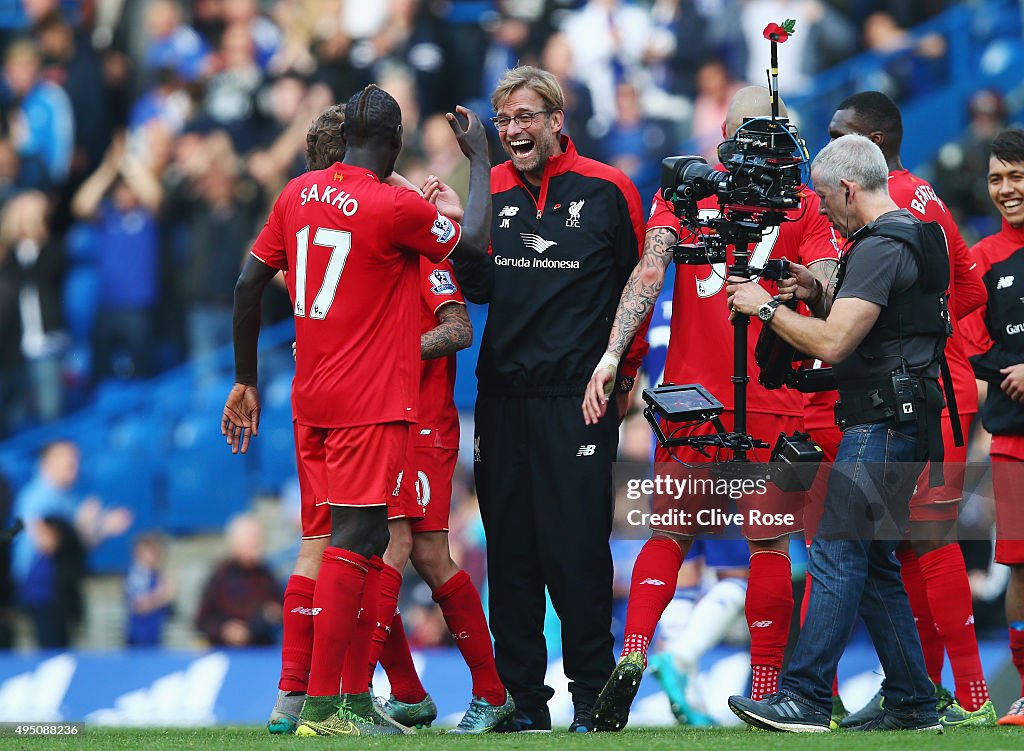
[[608, 360]]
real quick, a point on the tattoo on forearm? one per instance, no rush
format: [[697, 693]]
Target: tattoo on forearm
[[454, 332], [641, 290]]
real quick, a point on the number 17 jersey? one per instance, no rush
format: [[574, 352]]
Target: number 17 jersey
[[348, 245]]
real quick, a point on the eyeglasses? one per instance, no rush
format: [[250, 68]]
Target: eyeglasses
[[523, 119]]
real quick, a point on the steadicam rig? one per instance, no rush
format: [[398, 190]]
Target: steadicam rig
[[758, 187]]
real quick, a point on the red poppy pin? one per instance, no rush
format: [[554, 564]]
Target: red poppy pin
[[774, 32]]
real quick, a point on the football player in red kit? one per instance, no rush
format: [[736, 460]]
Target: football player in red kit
[[700, 319], [349, 246], [1000, 362]]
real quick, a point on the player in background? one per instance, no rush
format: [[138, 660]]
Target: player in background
[[348, 244], [932, 563], [700, 319], [418, 517], [1000, 363]]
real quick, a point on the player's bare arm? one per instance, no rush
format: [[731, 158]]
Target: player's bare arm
[[241, 417], [638, 298], [813, 285], [476, 225], [452, 333]]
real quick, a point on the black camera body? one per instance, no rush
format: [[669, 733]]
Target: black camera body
[[761, 181]]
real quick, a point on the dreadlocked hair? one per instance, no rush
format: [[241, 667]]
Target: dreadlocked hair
[[325, 139], [371, 115]]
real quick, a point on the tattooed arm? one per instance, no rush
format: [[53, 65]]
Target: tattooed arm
[[638, 298], [452, 333]]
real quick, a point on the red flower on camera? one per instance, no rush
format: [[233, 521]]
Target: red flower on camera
[[774, 32]]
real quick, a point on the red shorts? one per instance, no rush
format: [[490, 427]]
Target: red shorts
[[764, 511], [358, 466], [404, 501], [828, 438], [434, 470], [942, 503], [1007, 479]]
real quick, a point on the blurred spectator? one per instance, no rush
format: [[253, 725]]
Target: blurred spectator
[[715, 88], [172, 44], [39, 118], [635, 144], [50, 593], [217, 205], [241, 603], [32, 266], [7, 602], [74, 65], [679, 45], [961, 168], [912, 65], [48, 558], [149, 592], [231, 90], [579, 108], [122, 197], [609, 40], [265, 36]]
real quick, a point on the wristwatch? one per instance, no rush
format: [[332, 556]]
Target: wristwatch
[[766, 311]]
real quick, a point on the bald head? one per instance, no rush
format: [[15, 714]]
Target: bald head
[[747, 103]]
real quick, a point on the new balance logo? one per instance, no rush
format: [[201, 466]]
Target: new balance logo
[[307, 611], [536, 243], [654, 582], [509, 211], [1004, 282], [761, 624], [587, 450]]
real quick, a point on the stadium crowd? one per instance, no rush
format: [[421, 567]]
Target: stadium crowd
[[145, 144]]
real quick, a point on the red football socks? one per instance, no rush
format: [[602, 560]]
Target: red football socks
[[650, 591], [460, 605], [1017, 651], [396, 659], [354, 679], [297, 627], [917, 593], [769, 609], [389, 588], [339, 590], [949, 595]]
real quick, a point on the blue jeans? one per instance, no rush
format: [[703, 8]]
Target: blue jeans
[[855, 571]]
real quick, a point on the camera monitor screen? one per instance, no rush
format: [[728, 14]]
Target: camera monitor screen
[[683, 403]]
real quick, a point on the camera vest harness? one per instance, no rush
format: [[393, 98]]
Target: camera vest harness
[[922, 310]]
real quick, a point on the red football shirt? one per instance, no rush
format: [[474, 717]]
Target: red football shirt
[[439, 420], [966, 290], [348, 245], [700, 348]]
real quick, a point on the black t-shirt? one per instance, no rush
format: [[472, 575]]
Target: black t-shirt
[[877, 269]]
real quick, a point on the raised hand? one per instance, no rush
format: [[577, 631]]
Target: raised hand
[[472, 139]]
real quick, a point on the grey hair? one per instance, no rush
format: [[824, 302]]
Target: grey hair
[[851, 157]]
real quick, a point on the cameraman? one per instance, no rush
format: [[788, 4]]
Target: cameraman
[[700, 325], [884, 329]]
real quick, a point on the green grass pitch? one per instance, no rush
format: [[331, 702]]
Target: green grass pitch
[[219, 739]]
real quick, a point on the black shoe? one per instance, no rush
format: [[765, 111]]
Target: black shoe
[[530, 720], [583, 719], [867, 713], [886, 720], [780, 713]]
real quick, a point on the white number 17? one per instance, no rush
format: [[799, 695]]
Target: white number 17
[[340, 243]]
